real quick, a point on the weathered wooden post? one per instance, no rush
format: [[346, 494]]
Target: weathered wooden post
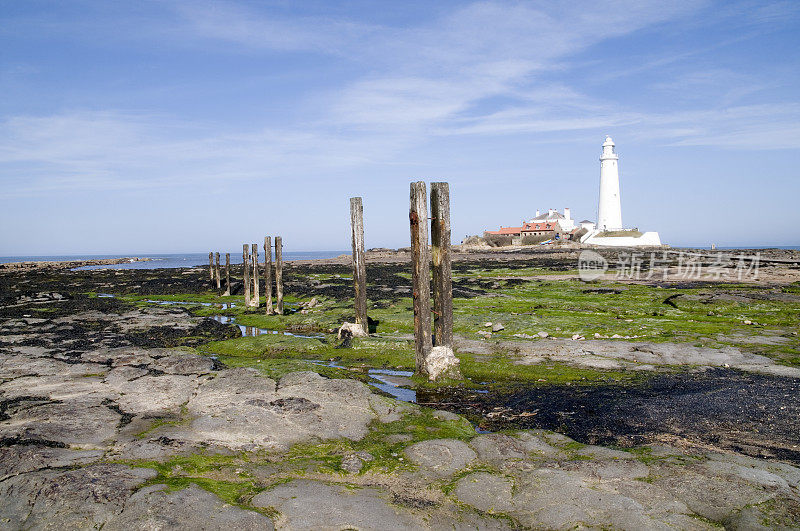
[[211, 266], [256, 300], [268, 273], [246, 274], [359, 265], [442, 273], [279, 273], [227, 274], [420, 275], [216, 270]]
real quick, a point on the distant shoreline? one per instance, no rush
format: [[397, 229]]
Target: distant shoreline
[[375, 255], [69, 264]]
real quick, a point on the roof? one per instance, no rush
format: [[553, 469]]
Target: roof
[[547, 215], [547, 225], [586, 221], [504, 231]]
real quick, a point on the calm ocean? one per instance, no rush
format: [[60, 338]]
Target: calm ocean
[[158, 261]]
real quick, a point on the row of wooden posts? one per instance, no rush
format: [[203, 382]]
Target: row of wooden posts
[[425, 336], [252, 274]]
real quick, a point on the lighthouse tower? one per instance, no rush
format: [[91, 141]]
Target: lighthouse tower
[[609, 211]]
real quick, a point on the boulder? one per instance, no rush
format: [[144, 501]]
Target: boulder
[[441, 363], [350, 330]]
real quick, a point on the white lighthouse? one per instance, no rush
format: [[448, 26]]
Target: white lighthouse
[[609, 211], [609, 231]]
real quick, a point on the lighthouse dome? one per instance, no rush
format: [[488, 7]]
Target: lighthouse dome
[[608, 141]]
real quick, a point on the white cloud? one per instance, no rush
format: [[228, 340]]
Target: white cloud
[[106, 150], [252, 28], [484, 50], [746, 127]]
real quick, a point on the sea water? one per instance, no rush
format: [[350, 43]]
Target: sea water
[[158, 261]]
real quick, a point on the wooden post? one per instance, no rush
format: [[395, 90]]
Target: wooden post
[[420, 275], [227, 274], [255, 301], [359, 266], [211, 266], [268, 273], [246, 274], [279, 273], [442, 273], [216, 270]]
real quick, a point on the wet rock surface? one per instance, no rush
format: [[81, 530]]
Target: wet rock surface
[[752, 414], [635, 356]]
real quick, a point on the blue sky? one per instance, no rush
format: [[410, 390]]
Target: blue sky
[[179, 126]]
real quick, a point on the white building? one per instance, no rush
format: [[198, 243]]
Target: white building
[[564, 220], [609, 230]]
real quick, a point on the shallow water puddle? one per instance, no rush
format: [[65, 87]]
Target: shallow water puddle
[[387, 380], [386, 383], [253, 331], [220, 305]]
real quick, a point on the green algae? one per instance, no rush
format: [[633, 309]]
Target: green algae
[[745, 316], [234, 477], [386, 453], [234, 486]]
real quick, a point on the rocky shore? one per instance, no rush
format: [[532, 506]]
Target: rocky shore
[[94, 435], [117, 413], [68, 264]]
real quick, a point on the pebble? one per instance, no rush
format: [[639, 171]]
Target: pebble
[[543, 334]]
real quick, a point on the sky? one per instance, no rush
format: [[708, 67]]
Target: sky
[[186, 126]]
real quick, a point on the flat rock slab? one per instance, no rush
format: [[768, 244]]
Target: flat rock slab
[[440, 457], [84, 424], [73, 499], [609, 354], [497, 448], [19, 459], [190, 508], [241, 410], [155, 394], [556, 499], [180, 363], [311, 505], [715, 496]]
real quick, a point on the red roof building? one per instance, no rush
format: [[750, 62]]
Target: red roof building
[[538, 228], [505, 231], [543, 228]]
